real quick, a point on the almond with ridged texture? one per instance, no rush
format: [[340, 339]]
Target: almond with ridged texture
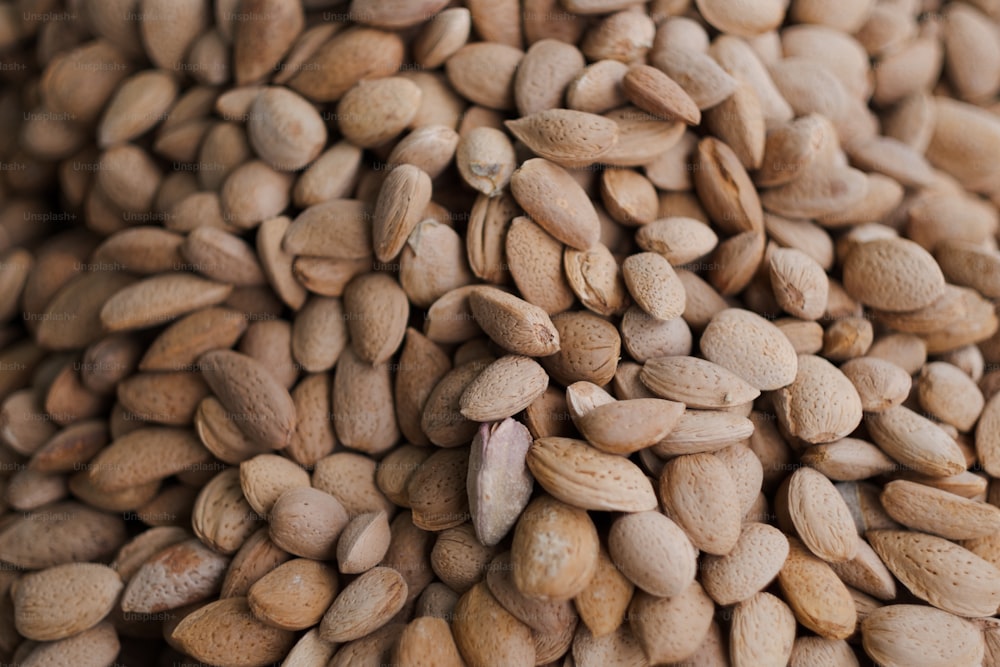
[[821, 405], [264, 36], [438, 491], [653, 552], [820, 601], [948, 394], [596, 279], [699, 493], [335, 228], [652, 90], [81, 300], [881, 384], [499, 483], [504, 388], [250, 391], [762, 633], [821, 517], [555, 550], [225, 632], [748, 568], [363, 412], [483, 73], [377, 311], [544, 616], [893, 275], [848, 459], [422, 364], [535, 260], [543, 74], [64, 600], [584, 476], [653, 284], [553, 199], [571, 139], [750, 346], [680, 240], [253, 193], [294, 595], [365, 605], [900, 635], [284, 129], [939, 512], [373, 112], [487, 635], [265, 477], [800, 284], [696, 382], [179, 575], [145, 455], [988, 436], [629, 197], [485, 160], [948, 576], [725, 189], [513, 323], [442, 420], [85, 534], [916, 442], [624, 427], [671, 629], [401, 202], [597, 88], [99, 645]]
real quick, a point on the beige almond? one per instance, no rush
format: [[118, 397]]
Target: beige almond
[[624, 427], [535, 259], [294, 595], [820, 601], [748, 568], [553, 199], [763, 631], [696, 382], [699, 493], [821, 405], [653, 284], [61, 601], [734, 336], [583, 476], [504, 388], [597, 279], [948, 576], [671, 629], [569, 138], [916, 442], [939, 512], [348, 57], [821, 517], [181, 574], [401, 202], [513, 323], [555, 550], [875, 272], [906, 634], [484, 630]]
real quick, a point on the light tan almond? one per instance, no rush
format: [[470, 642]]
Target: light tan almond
[[377, 310], [566, 137], [901, 634], [948, 576], [499, 483], [734, 336], [916, 442], [535, 259], [821, 517], [503, 389], [763, 631], [363, 413], [696, 382], [624, 427], [583, 476], [159, 585], [821, 405], [226, 632], [484, 631], [158, 299], [874, 273], [596, 279], [848, 459], [725, 188], [939, 512], [401, 202], [700, 494], [294, 595], [672, 629], [515, 324], [653, 284], [348, 57], [748, 568], [651, 90], [553, 199]]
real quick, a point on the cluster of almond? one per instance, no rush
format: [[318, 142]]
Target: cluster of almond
[[502, 333]]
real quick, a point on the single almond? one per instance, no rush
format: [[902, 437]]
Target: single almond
[[553, 199], [226, 632]]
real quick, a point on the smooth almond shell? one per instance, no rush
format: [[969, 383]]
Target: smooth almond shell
[[294, 595], [820, 601], [699, 493]]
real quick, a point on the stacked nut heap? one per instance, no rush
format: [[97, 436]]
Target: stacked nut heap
[[498, 332]]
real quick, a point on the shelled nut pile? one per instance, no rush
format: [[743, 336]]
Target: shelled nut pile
[[499, 333]]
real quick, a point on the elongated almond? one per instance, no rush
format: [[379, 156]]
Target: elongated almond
[[158, 299], [569, 138], [700, 494], [821, 517], [820, 601], [553, 199], [64, 600], [916, 442], [226, 632], [513, 323], [624, 427], [401, 202], [503, 389], [696, 382], [904, 634], [948, 576], [939, 512], [583, 476], [821, 405]]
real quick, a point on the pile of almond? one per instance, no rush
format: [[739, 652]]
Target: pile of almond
[[576, 333]]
